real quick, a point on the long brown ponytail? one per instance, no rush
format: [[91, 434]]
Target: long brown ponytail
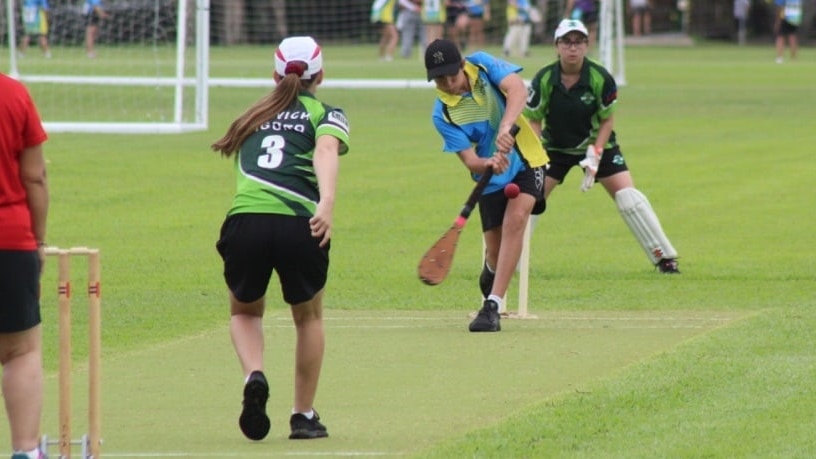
[[265, 109]]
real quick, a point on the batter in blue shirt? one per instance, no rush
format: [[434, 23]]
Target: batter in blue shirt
[[479, 101]]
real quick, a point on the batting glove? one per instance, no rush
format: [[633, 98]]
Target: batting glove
[[590, 166]]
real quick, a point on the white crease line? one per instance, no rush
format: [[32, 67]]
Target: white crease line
[[264, 454], [542, 318], [555, 322], [545, 327]]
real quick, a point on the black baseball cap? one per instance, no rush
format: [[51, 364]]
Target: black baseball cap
[[442, 58]]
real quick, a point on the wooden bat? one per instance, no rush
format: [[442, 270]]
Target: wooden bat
[[436, 263]]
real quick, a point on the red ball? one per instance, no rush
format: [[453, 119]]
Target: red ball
[[511, 190]]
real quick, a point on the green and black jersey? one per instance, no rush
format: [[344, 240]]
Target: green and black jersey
[[570, 118], [274, 168]]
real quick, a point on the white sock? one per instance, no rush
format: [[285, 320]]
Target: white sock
[[309, 414], [489, 269], [498, 301]]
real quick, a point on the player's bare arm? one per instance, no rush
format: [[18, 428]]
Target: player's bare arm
[[604, 131], [326, 163], [498, 162], [516, 94]]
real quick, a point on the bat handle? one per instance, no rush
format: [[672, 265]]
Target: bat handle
[[470, 204]]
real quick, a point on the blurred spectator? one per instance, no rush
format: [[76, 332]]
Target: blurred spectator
[[519, 28], [741, 8], [35, 21], [478, 14], [786, 25], [409, 25], [433, 20], [457, 22], [94, 14], [382, 14], [641, 11]]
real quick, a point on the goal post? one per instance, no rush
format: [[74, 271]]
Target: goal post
[[149, 74], [12, 38], [611, 39]]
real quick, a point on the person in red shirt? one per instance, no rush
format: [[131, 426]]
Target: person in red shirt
[[23, 212]]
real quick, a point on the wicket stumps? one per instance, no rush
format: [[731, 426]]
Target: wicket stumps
[[90, 442]]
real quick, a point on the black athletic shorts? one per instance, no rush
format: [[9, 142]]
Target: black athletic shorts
[[611, 163], [92, 19], [589, 18], [19, 290], [493, 205], [254, 245], [452, 13], [786, 28]]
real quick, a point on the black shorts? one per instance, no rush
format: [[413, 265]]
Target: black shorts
[[589, 18], [19, 290], [493, 205], [452, 13], [786, 28], [611, 163], [92, 19], [253, 245]]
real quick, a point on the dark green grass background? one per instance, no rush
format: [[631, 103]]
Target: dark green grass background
[[718, 137]]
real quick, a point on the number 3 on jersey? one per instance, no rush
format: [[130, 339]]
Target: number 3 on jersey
[[274, 152]]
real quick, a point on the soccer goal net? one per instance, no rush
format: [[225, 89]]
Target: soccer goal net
[[145, 72]]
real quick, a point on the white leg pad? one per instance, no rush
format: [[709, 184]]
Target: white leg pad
[[642, 221]]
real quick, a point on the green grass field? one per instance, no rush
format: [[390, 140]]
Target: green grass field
[[718, 362]]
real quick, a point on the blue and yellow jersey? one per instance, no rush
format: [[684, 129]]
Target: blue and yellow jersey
[[274, 169], [35, 17], [472, 119], [434, 12], [382, 11], [570, 119]]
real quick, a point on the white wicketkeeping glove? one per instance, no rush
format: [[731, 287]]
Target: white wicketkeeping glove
[[590, 166]]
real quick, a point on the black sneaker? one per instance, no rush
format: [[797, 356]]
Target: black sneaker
[[253, 421], [304, 428], [668, 266], [487, 319], [486, 281]]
